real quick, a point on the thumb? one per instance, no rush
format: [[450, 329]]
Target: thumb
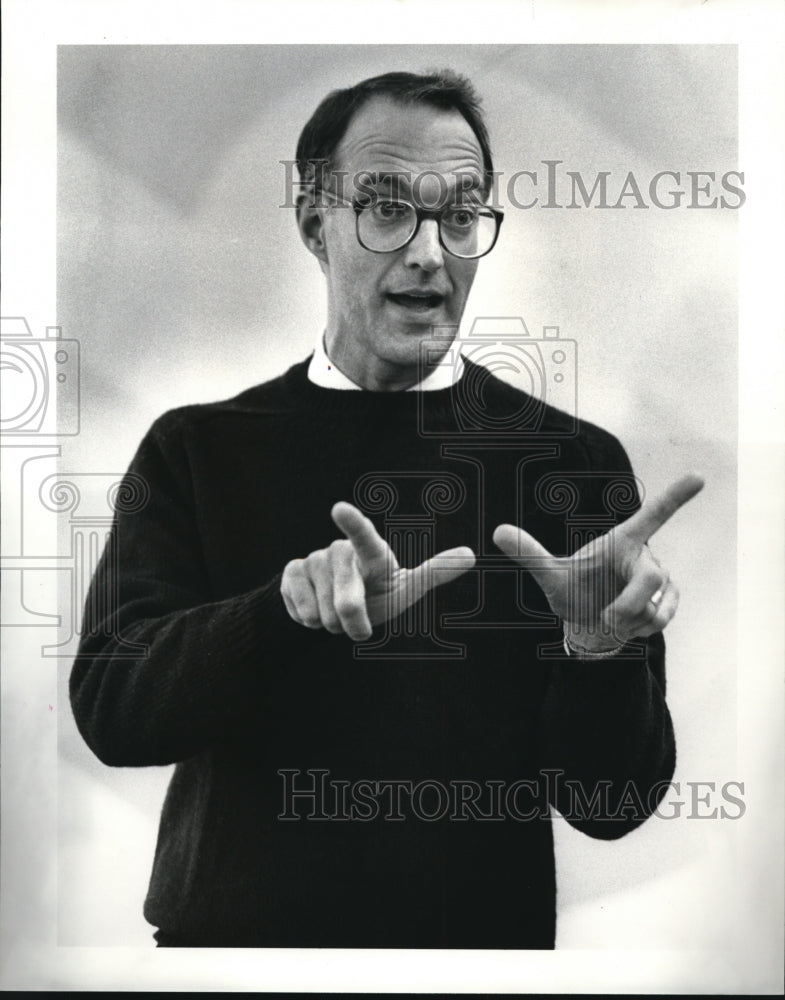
[[526, 550], [439, 569]]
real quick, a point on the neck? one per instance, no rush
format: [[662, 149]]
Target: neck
[[373, 373], [383, 378]]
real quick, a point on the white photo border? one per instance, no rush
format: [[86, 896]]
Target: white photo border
[[33, 30]]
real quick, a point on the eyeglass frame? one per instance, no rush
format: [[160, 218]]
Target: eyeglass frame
[[422, 214]]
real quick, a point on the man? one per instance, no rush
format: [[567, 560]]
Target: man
[[371, 711]]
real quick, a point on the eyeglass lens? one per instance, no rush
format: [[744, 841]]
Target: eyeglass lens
[[466, 231]]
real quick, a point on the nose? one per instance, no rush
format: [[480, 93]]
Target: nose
[[425, 250]]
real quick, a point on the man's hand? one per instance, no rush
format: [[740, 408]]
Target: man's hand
[[612, 589], [356, 582]]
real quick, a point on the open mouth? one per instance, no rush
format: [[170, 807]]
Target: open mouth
[[420, 302]]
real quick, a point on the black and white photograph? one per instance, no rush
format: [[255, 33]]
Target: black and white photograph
[[392, 516]]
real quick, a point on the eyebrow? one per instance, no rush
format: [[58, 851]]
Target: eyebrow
[[464, 181]]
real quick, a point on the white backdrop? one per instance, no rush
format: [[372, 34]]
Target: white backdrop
[[184, 280]]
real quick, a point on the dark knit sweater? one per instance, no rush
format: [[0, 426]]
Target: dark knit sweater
[[188, 656]]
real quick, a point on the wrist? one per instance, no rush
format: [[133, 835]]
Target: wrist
[[595, 644]]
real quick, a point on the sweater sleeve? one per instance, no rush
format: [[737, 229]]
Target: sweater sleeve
[[163, 671], [606, 728]]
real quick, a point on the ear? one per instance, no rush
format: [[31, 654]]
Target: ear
[[310, 223]]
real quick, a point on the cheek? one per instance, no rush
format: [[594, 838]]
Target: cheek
[[463, 277], [341, 247]]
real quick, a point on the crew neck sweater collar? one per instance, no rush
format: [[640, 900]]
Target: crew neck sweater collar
[[299, 395]]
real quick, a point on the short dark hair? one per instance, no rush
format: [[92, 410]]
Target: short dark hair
[[440, 89]]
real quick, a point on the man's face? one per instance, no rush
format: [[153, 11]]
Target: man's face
[[382, 306]]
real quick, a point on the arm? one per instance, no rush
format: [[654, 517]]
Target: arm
[[194, 671], [605, 724], [198, 667]]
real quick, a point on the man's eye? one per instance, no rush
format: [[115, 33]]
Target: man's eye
[[461, 218], [390, 211]]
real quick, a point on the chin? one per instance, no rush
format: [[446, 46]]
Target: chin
[[403, 352], [425, 329], [404, 342]]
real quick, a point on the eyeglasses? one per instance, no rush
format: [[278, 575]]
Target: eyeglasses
[[385, 224]]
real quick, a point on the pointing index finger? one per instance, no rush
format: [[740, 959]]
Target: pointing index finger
[[654, 513], [359, 529]]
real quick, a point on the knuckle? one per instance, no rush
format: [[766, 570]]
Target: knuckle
[[303, 604], [315, 561], [291, 569], [346, 607], [300, 592]]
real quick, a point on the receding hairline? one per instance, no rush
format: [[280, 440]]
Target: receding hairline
[[442, 89], [334, 160]]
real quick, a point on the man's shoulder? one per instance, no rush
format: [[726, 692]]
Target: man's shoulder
[[266, 398], [483, 388]]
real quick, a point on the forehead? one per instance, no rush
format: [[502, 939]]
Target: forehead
[[386, 136]]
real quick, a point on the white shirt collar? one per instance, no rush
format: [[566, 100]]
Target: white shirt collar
[[322, 372]]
